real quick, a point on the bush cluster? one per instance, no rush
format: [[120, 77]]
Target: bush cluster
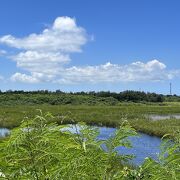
[[86, 98]]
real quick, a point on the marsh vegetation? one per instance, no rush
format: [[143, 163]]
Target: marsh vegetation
[[101, 115], [38, 149]]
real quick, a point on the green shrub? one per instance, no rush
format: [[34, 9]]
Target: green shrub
[[41, 150], [38, 150]]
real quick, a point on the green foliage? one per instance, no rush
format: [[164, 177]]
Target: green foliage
[[78, 98], [41, 150], [165, 168], [168, 166], [35, 98]]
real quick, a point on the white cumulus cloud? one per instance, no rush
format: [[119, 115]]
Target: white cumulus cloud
[[138, 71], [41, 62], [45, 57], [24, 78], [2, 52], [63, 36]]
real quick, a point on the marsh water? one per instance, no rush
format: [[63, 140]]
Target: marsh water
[[157, 117], [143, 145], [4, 132]]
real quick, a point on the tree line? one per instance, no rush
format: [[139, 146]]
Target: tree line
[[90, 98]]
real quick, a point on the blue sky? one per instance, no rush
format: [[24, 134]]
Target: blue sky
[[90, 45]]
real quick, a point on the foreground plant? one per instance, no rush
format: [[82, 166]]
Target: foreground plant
[[41, 150], [167, 167]]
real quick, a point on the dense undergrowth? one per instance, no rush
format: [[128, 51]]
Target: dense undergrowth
[[41, 150]]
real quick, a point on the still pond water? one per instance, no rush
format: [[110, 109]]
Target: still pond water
[[156, 117], [143, 145], [4, 132]]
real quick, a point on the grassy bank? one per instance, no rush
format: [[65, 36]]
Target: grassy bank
[[11, 116]]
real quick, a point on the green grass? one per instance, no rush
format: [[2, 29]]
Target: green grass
[[11, 116]]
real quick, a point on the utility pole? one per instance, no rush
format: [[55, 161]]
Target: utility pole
[[170, 89]]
